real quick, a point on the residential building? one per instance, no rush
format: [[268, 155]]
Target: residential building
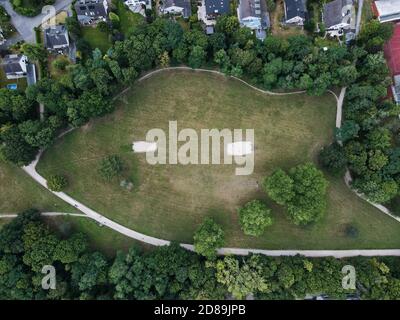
[[210, 10], [295, 12], [176, 7], [91, 11], [392, 55], [138, 6], [253, 14], [56, 39], [338, 16], [14, 66], [386, 10]]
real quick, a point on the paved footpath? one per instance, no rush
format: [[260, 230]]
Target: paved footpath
[[31, 171]]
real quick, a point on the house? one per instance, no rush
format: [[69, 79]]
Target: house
[[91, 11], [176, 7], [392, 55], [337, 16], [386, 10], [295, 12], [138, 6], [56, 39], [15, 66], [210, 10], [253, 14]]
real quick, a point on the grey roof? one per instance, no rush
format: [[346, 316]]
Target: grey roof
[[216, 7], [90, 8], [254, 8], [11, 63], [55, 36], [333, 12], [295, 8], [185, 4]]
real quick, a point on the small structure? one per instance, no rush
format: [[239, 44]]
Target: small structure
[[56, 39], [176, 7], [91, 11], [295, 12], [337, 16], [138, 6], [392, 55], [253, 14], [15, 66], [386, 10], [2, 38]]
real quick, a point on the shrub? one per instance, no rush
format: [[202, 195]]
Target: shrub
[[110, 167], [57, 183]]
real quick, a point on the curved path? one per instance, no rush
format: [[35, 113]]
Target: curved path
[[31, 171]]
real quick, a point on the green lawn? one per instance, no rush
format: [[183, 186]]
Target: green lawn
[[97, 38], [19, 192], [128, 19], [170, 201]]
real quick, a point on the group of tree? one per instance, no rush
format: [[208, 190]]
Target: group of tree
[[27, 244], [366, 141], [301, 190]]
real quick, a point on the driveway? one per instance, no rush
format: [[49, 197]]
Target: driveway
[[25, 25]]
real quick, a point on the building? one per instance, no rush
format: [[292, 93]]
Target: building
[[338, 15], [295, 12], [386, 10], [56, 39], [138, 6], [253, 14], [392, 55], [14, 66], [176, 7], [91, 11], [210, 10]]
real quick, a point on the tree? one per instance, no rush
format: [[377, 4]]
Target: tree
[[34, 52], [208, 238], [254, 218], [57, 183], [110, 167], [14, 148], [242, 279], [302, 192], [347, 131], [279, 187], [196, 57], [333, 159]]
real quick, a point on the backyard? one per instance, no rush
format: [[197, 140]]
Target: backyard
[[97, 38], [170, 201]]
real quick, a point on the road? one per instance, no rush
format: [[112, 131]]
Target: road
[[31, 171], [25, 25]]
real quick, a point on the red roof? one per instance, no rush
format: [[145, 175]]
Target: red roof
[[392, 51]]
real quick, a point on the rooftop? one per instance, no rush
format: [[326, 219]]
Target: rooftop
[[217, 7], [295, 8]]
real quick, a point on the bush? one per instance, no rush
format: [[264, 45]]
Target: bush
[[333, 159], [57, 183], [60, 63], [351, 231], [254, 218], [110, 167]]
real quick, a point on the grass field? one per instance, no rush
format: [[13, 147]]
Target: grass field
[[96, 38], [19, 192], [170, 201]]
